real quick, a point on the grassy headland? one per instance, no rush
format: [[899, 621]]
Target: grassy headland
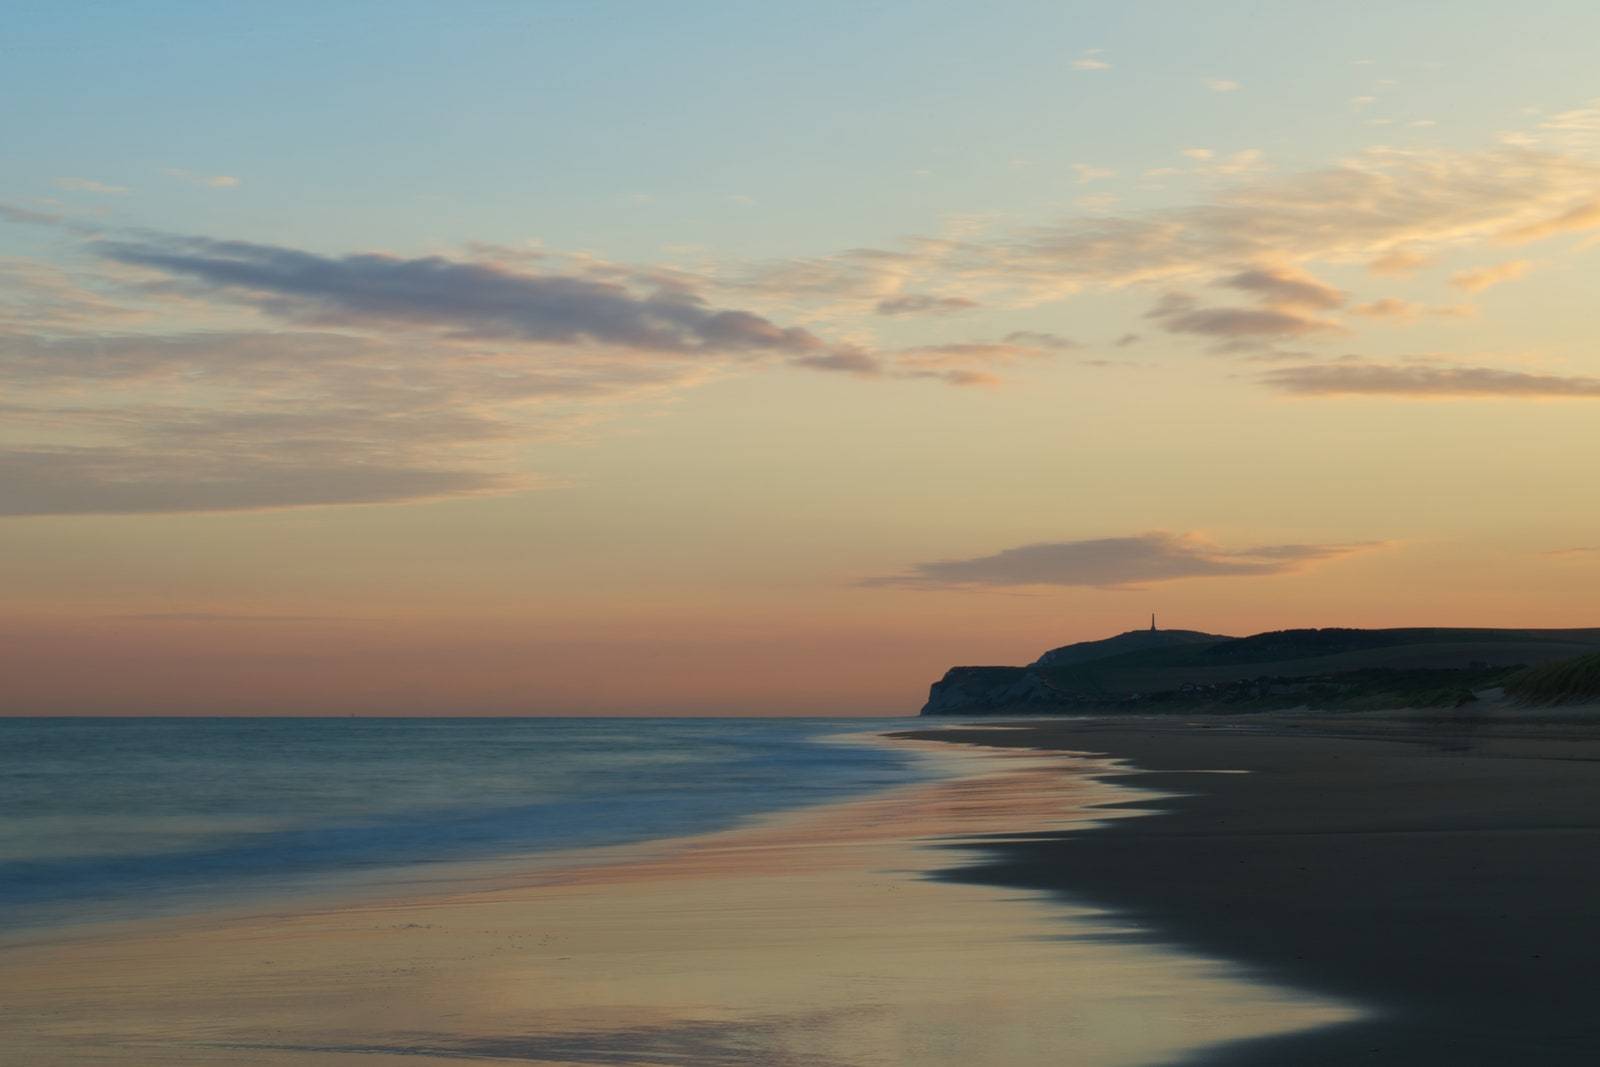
[[1187, 671]]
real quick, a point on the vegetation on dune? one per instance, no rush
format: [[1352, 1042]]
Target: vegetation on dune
[[1568, 681]]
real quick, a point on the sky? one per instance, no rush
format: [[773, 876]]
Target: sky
[[752, 359]]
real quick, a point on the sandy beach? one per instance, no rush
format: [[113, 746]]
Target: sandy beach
[[1441, 871], [822, 937]]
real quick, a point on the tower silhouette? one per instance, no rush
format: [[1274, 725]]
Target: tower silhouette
[[1152, 622]]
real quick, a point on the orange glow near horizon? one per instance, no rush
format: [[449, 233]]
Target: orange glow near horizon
[[724, 414]]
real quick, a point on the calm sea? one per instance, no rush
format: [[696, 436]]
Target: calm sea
[[111, 818]]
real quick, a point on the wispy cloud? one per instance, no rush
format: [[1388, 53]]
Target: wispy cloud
[[38, 296], [1283, 286], [1119, 562], [969, 363], [1399, 261], [463, 299], [387, 377], [923, 304], [1179, 313], [1575, 219], [207, 617], [107, 423], [89, 185], [1090, 59], [845, 361], [1393, 308], [1427, 381], [209, 181], [1041, 339], [1579, 124], [1475, 281], [1223, 85]]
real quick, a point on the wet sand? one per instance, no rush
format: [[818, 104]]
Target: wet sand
[[1443, 874], [823, 938]]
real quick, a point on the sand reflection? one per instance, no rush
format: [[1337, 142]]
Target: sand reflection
[[812, 939]]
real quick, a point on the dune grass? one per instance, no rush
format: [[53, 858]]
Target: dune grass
[[1567, 681]]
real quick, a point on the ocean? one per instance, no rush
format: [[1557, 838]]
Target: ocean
[[130, 817]]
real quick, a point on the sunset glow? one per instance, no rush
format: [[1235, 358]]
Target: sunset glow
[[743, 359]]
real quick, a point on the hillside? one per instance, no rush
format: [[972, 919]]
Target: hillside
[[1572, 681], [1187, 670]]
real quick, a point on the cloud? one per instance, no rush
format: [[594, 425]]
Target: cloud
[[966, 363], [1040, 339], [229, 617], [1389, 308], [87, 185], [1223, 85], [203, 421], [441, 370], [1178, 313], [1286, 287], [1383, 206], [1407, 311], [1426, 381], [401, 379], [209, 181], [965, 352], [845, 361], [921, 304], [1088, 173], [1399, 261], [1579, 124], [463, 299], [1244, 161], [1090, 60], [1118, 562], [37, 296], [1394, 210], [1475, 281], [1584, 216], [957, 376], [1577, 552], [80, 481]]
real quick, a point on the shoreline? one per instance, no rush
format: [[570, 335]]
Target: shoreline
[[1442, 872], [299, 857], [820, 938]]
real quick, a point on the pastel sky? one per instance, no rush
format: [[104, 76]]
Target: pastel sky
[[732, 358]]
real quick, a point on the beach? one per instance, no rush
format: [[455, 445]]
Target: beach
[[820, 937], [1441, 871]]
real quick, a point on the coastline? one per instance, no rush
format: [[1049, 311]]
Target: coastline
[[822, 937], [1441, 871]]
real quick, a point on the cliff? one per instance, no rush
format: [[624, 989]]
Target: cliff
[[1188, 670], [991, 691]]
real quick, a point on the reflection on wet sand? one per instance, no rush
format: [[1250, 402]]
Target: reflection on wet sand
[[817, 938]]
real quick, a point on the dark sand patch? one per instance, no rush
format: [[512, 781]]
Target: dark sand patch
[[1446, 874]]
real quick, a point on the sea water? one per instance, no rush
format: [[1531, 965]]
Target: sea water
[[114, 818]]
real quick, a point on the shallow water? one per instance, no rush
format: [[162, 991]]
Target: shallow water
[[818, 937], [111, 818]]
